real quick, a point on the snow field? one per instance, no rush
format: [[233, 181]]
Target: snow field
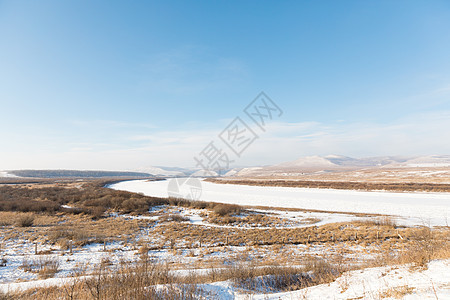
[[409, 208]]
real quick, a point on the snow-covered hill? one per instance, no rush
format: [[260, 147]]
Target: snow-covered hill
[[308, 162], [431, 161], [6, 174], [339, 163], [161, 171]]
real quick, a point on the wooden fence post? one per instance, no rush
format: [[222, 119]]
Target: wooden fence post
[[35, 249]]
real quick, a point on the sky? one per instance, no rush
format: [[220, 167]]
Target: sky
[[120, 85]]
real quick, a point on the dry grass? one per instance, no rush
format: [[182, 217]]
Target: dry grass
[[360, 232], [420, 247], [25, 220], [207, 247], [398, 292], [252, 219], [173, 218], [123, 282], [44, 266], [59, 228], [278, 278], [227, 209], [138, 281], [14, 218]]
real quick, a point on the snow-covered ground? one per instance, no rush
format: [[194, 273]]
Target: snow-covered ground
[[18, 250], [410, 208], [373, 283], [293, 219], [391, 282], [90, 255]]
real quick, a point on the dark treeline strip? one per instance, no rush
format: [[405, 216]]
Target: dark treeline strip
[[76, 174], [343, 185], [13, 180]]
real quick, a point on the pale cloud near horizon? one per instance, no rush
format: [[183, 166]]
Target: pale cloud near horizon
[[422, 134]]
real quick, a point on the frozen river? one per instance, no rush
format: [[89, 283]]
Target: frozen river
[[412, 208]]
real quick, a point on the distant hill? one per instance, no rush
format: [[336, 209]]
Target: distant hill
[[165, 171], [339, 163], [75, 174], [431, 161]]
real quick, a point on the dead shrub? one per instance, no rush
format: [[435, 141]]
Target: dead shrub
[[423, 248], [139, 282], [322, 271], [25, 220], [227, 209], [398, 292], [420, 247], [270, 279], [62, 235], [45, 267], [5, 296], [7, 218], [136, 205], [173, 218], [97, 212], [275, 278], [386, 221]]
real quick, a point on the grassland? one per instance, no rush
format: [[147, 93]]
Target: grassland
[[114, 245]]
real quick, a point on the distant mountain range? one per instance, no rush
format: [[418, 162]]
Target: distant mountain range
[[339, 163], [301, 166]]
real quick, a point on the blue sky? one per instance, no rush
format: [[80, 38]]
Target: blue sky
[[120, 85]]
